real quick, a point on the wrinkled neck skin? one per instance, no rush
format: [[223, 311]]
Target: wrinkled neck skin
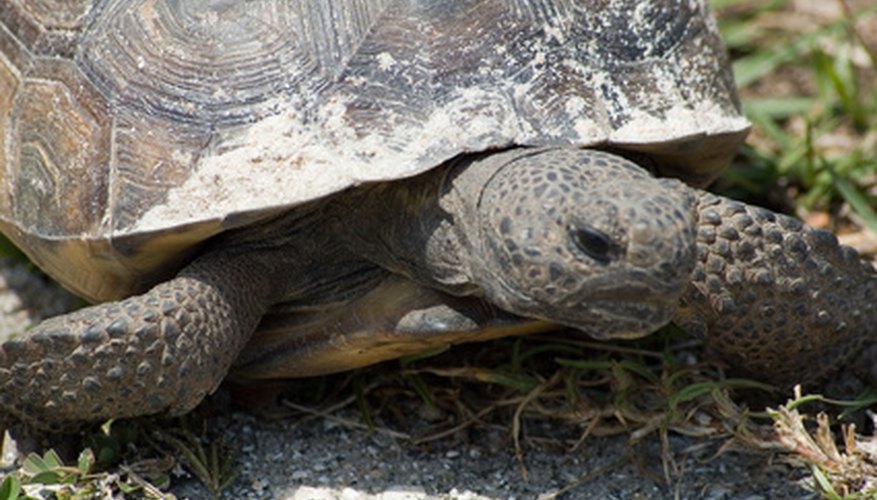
[[416, 227], [428, 227], [575, 237], [335, 249]]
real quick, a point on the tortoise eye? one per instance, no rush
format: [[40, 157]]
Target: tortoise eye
[[594, 243]]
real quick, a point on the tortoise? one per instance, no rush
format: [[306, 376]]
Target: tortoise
[[276, 189]]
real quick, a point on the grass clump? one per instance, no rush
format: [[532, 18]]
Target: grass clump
[[123, 459], [97, 472], [844, 468], [806, 74]]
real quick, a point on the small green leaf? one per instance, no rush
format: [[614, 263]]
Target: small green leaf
[[10, 489], [52, 460], [47, 477], [35, 464], [85, 461]]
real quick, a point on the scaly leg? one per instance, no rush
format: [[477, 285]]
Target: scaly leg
[[779, 300], [160, 352]]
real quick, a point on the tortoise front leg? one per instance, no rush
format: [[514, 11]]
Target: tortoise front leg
[[160, 352], [782, 301]]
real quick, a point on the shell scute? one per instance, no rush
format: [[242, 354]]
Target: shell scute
[[132, 130]]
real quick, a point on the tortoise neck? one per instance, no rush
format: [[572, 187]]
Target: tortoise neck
[[416, 227]]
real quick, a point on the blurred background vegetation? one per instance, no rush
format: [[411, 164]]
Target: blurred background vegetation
[[806, 74]]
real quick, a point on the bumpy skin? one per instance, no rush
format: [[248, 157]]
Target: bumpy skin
[[161, 352], [777, 299], [585, 239], [573, 237], [780, 301]]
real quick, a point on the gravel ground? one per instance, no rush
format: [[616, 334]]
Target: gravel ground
[[307, 457], [316, 458]]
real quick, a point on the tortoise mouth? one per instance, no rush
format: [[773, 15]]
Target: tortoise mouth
[[621, 319], [604, 308]]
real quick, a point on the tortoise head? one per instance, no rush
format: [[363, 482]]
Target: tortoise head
[[585, 239]]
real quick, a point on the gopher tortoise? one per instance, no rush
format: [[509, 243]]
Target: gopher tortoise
[[297, 188]]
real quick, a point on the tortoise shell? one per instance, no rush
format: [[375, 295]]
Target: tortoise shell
[[131, 131]]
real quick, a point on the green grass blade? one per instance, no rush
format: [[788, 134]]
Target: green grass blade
[[855, 198], [594, 365], [752, 68], [778, 108]]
